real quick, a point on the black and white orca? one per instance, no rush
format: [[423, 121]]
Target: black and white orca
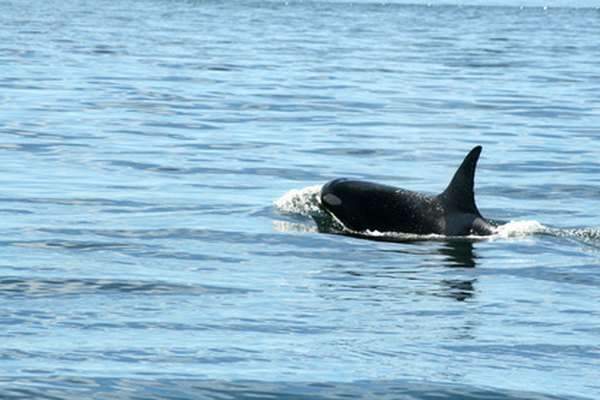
[[365, 206]]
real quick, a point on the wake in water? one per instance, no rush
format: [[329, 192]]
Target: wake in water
[[304, 204]]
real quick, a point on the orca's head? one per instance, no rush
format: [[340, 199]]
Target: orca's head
[[345, 200], [330, 195]]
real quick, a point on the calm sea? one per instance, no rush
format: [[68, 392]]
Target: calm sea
[[159, 166]]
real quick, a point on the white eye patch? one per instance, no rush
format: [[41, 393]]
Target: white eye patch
[[332, 199]]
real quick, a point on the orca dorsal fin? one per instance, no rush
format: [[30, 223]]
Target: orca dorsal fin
[[459, 194]]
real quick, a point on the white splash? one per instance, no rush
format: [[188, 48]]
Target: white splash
[[286, 226], [520, 229], [303, 201]]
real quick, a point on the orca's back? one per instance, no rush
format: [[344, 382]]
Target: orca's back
[[362, 206]]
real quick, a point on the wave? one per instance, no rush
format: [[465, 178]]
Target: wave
[[14, 286], [67, 388], [304, 204]]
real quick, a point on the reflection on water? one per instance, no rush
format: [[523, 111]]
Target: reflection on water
[[458, 254], [396, 277], [458, 289]]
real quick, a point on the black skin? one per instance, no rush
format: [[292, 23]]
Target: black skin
[[362, 206]]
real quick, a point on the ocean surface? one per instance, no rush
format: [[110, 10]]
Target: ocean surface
[[160, 168]]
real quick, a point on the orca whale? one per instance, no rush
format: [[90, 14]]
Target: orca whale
[[365, 206]]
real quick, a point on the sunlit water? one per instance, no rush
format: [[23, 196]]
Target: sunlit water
[[161, 162]]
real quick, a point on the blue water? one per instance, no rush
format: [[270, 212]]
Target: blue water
[[160, 162]]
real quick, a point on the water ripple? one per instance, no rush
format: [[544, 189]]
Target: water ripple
[[143, 143], [12, 287], [68, 388]]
